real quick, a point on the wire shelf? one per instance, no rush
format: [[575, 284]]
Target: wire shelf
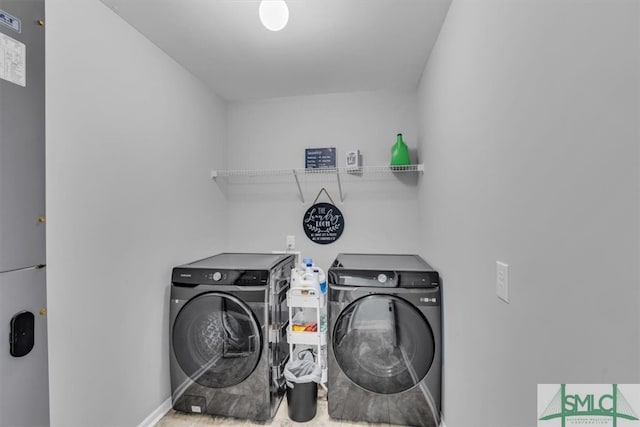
[[302, 173], [321, 171]]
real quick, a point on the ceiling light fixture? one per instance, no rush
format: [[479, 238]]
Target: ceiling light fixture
[[274, 14]]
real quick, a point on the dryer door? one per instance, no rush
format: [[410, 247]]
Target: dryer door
[[216, 340], [383, 344]]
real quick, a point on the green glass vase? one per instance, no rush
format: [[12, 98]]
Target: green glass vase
[[400, 153]]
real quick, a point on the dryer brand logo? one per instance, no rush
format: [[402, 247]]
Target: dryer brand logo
[[588, 404], [10, 21]]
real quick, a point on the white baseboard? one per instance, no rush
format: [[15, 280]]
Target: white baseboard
[[153, 418]]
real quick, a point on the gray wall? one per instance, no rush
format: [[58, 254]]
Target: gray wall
[[529, 131], [381, 211], [131, 137]]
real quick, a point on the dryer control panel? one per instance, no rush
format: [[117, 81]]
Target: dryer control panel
[[384, 279], [382, 271], [196, 276]]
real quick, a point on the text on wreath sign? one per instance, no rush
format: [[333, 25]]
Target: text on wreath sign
[[322, 218]]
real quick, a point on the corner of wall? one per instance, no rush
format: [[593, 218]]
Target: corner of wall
[[157, 414]]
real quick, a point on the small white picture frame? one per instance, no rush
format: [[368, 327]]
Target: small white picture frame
[[352, 159]]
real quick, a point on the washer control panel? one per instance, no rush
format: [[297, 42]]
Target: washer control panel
[[201, 276], [215, 277]]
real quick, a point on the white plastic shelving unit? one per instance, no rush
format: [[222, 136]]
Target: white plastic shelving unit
[[308, 298], [302, 174]]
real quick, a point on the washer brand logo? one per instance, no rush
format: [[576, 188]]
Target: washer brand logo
[[588, 404], [184, 275], [427, 299], [10, 21]]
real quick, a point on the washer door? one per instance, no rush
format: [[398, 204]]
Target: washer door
[[383, 344], [216, 340]]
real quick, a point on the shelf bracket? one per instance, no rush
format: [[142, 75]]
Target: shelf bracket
[[339, 186], [295, 175]]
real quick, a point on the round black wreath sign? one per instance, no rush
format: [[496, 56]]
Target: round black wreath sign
[[323, 223]]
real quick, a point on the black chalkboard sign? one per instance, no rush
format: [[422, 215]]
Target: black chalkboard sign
[[323, 223], [318, 158]]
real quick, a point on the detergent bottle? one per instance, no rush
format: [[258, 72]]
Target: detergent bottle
[[310, 278], [307, 265], [295, 278], [322, 279], [400, 153], [298, 272]]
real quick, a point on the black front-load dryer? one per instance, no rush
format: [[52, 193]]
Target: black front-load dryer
[[385, 351], [228, 317]]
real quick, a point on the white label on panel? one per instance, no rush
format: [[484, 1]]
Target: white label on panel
[[10, 21], [13, 60]]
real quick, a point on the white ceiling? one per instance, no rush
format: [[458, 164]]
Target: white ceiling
[[328, 46]]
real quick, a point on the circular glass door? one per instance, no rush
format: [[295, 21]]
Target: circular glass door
[[383, 344], [216, 340]]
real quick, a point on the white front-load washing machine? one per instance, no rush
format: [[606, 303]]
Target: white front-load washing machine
[[385, 351], [228, 317]]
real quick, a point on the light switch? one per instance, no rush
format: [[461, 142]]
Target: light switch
[[502, 281]]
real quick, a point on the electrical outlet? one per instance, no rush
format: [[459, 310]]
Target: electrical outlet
[[502, 281], [291, 243]]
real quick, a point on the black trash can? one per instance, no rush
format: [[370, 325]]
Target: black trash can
[[302, 401], [302, 378]]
